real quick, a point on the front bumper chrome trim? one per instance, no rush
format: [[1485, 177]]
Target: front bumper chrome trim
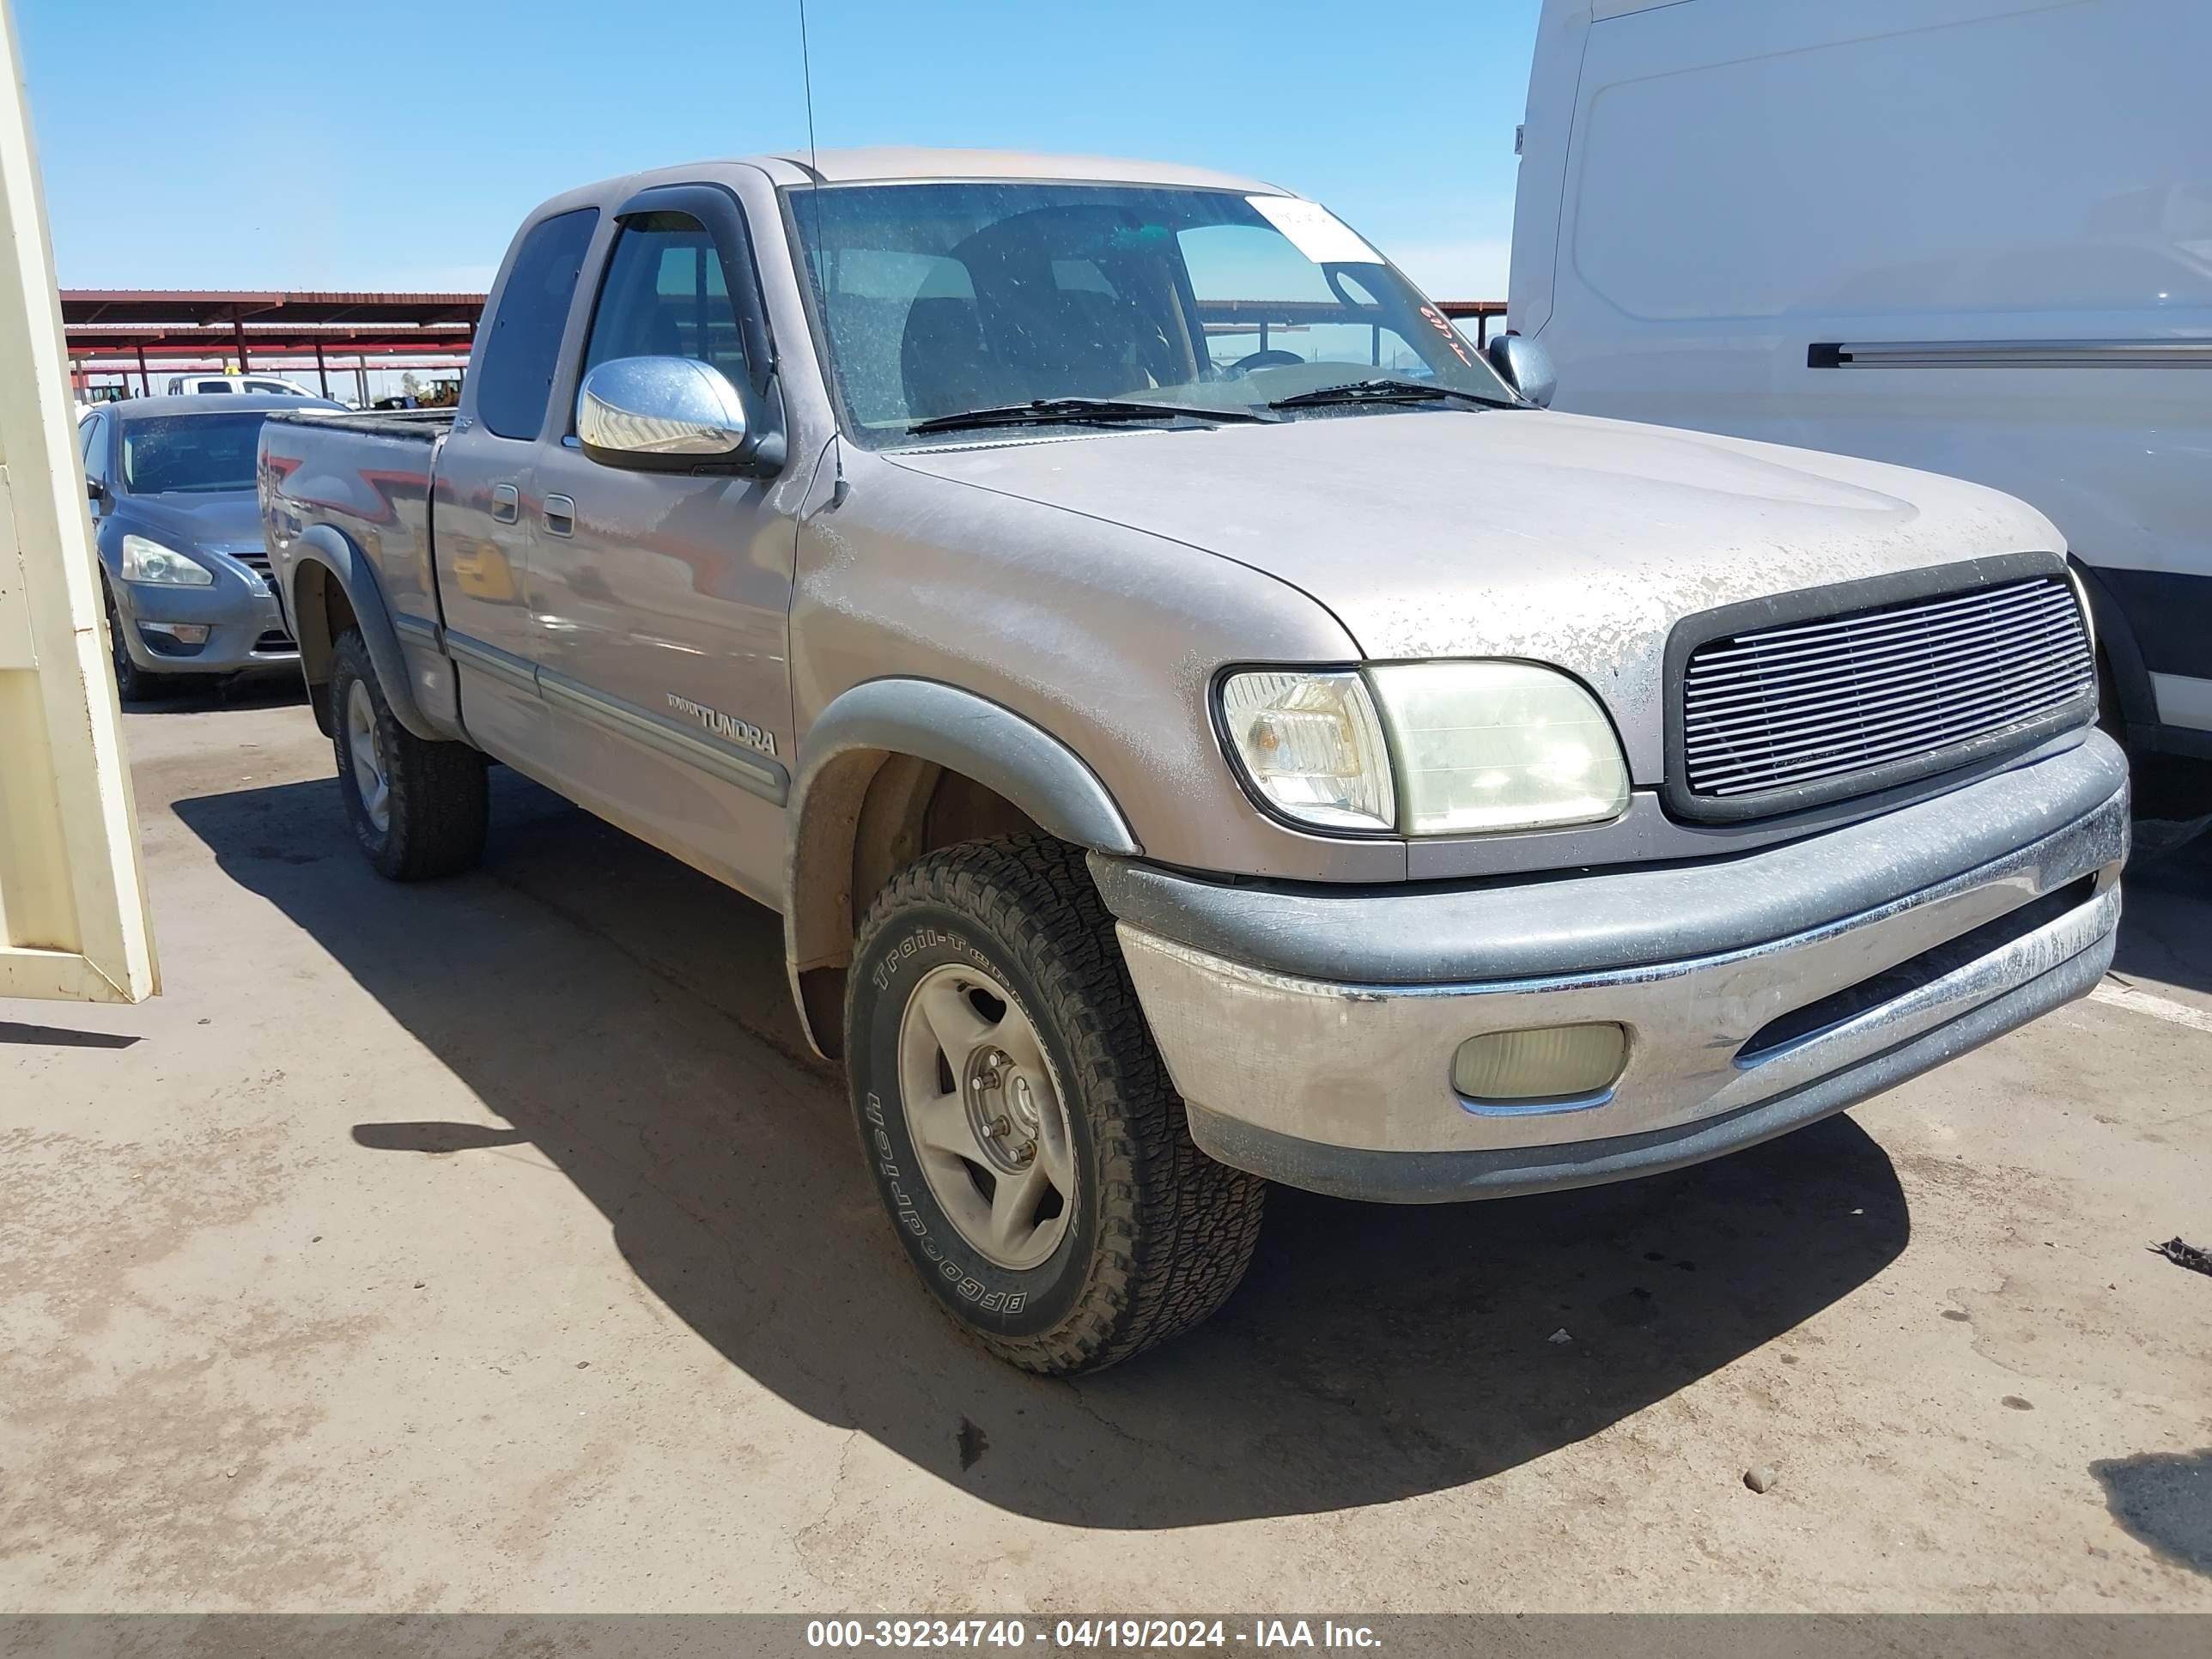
[[1366, 1065], [1454, 1178]]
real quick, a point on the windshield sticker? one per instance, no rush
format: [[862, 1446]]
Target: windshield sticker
[[1315, 231], [1454, 341]]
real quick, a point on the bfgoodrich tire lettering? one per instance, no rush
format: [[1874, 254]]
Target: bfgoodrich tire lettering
[[1159, 1234], [429, 816]]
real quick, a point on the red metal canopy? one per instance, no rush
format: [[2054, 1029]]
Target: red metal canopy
[[225, 305], [92, 342], [112, 329], [118, 328]]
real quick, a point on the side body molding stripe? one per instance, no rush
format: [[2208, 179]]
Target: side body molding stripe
[[755, 774], [490, 660]]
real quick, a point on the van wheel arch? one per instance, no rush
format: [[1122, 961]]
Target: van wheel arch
[[2121, 672]]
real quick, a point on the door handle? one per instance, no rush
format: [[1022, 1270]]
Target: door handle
[[559, 516], [506, 504]]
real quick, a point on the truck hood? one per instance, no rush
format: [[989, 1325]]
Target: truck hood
[[1558, 539]]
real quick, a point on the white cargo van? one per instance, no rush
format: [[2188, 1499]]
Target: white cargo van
[[1973, 236]]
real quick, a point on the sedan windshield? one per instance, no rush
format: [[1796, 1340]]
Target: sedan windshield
[[1017, 302], [199, 452]]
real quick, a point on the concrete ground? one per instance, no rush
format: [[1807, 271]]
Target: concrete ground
[[491, 1245]]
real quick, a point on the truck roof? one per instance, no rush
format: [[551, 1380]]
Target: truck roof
[[894, 162], [897, 163]]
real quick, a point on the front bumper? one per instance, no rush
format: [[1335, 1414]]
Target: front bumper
[[1312, 1033], [245, 629]]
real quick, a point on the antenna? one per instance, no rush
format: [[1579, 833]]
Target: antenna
[[806, 74]]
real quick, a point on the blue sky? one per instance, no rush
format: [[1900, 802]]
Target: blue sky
[[323, 144]]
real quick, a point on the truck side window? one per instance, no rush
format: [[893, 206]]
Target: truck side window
[[523, 345], [665, 296]]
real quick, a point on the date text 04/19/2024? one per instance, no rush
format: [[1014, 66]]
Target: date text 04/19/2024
[[1254, 1634]]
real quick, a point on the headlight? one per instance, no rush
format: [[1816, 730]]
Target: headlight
[[1497, 746], [1311, 745], [145, 561], [1477, 746]]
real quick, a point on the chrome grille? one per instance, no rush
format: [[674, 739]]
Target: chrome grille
[[1813, 704]]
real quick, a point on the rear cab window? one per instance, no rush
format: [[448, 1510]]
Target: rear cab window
[[522, 347]]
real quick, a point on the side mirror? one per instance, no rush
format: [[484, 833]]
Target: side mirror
[[1527, 368], [94, 491], [671, 413]]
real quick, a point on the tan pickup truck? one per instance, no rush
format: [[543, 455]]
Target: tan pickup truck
[[1202, 721]]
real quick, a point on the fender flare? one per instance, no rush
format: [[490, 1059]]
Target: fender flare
[[964, 732], [940, 723], [322, 546]]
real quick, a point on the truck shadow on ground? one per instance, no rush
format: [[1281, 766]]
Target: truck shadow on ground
[[2163, 1499], [629, 1018]]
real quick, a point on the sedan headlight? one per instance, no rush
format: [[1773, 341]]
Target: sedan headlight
[[1426, 749], [145, 561]]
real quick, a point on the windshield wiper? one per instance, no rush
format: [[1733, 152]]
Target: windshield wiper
[[1048, 411], [1388, 392]]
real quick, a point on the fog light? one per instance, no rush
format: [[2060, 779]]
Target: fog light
[[1552, 1062], [174, 639]]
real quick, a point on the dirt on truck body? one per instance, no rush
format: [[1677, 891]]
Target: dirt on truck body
[[1202, 721]]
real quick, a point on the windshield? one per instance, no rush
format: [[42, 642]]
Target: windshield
[[205, 452], [940, 299]]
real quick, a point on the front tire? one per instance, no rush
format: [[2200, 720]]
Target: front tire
[[132, 682], [1018, 1121], [418, 808]]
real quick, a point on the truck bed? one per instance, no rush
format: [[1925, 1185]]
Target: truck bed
[[365, 478]]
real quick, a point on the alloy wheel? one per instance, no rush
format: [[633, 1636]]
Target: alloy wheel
[[366, 748], [985, 1115]]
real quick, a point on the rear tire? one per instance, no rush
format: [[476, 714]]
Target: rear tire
[[995, 1038], [418, 808]]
